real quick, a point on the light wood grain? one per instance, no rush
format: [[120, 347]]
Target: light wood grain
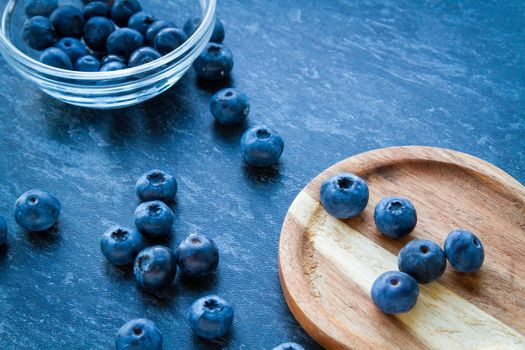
[[327, 266]]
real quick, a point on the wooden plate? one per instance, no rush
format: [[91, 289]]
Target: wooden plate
[[327, 266]]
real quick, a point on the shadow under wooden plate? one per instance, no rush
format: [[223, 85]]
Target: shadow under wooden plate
[[327, 266]]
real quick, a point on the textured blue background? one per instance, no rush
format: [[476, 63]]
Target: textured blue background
[[335, 78]]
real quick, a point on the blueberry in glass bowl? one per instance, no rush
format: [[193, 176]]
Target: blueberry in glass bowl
[[108, 88]]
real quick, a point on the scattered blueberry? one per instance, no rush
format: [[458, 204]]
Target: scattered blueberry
[[168, 39], [38, 33], [120, 245], [113, 66], [140, 21], [261, 146], [395, 217], [123, 9], [68, 21], [229, 106], [74, 48], [217, 36], [289, 346], [3, 231], [214, 63], [156, 185], [97, 31], [40, 7], [155, 267], [124, 42], [464, 251], [142, 56], [139, 334], [422, 259], [154, 219], [37, 210], [87, 63], [113, 58], [344, 195], [154, 29], [197, 255], [96, 9], [211, 317], [57, 58], [395, 292]]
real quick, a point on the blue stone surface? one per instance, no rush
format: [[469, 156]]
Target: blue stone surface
[[336, 78]]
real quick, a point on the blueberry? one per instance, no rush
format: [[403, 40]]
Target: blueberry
[[197, 255], [56, 58], [44, 8], [37, 210], [155, 267], [120, 245], [261, 146], [154, 219], [74, 48], [113, 66], [395, 292], [96, 9], [142, 56], [289, 346], [139, 334], [87, 63], [124, 42], [214, 63], [154, 29], [344, 195], [140, 21], [422, 259], [211, 317], [96, 32], [168, 39], [156, 185], [464, 251], [3, 231], [113, 58], [123, 9], [395, 217], [229, 106], [38, 33], [68, 21], [217, 36]]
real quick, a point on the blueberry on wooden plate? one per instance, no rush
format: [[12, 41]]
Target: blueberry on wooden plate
[[344, 195], [395, 217], [395, 292], [422, 259], [464, 251]]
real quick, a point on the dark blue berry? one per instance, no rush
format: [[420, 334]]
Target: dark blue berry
[[3, 231], [140, 21], [395, 292], [211, 317], [422, 259], [197, 255], [464, 251], [344, 195], [154, 219], [124, 42], [120, 245], [113, 58], [44, 8], [229, 106], [395, 217], [139, 334], [68, 21], [168, 39], [214, 63], [123, 9], [38, 33], [87, 63], [113, 66], [96, 9], [142, 56], [261, 146], [289, 346], [217, 36], [155, 267], [74, 48], [97, 31], [154, 29], [156, 185], [37, 210], [56, 58]]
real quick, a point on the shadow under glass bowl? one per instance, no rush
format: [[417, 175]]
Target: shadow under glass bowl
[[107, 89]]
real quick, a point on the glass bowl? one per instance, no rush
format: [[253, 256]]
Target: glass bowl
[[108, 89]]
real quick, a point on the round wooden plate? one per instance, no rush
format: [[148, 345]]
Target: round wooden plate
[[327, 266]]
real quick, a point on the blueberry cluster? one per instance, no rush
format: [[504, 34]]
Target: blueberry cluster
[[422, 261], [104, 37]]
